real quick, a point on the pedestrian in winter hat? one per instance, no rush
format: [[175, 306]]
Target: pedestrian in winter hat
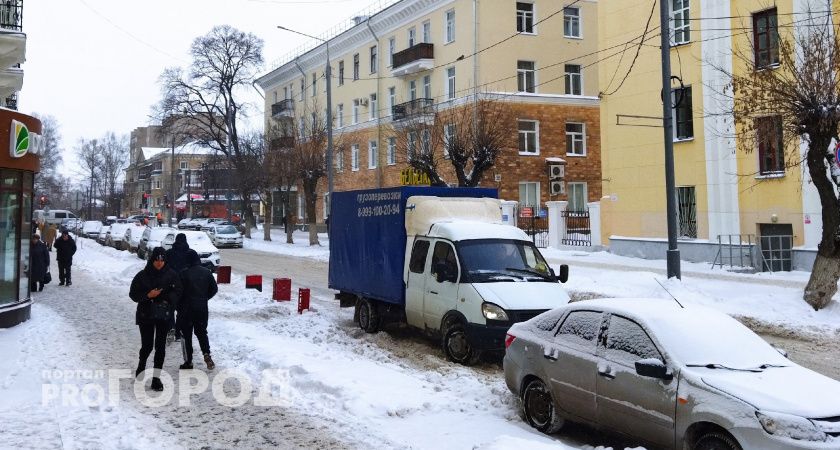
[[193, 313], [156, 289], [65, 248]]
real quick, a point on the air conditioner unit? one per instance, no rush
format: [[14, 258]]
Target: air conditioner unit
[[557, 188], [556, 171]]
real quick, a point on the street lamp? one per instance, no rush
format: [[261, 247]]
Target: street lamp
[[328, 76]]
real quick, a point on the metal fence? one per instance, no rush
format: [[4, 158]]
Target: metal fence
[[735, 250], [578, 231], [11, 14], [535, 226]]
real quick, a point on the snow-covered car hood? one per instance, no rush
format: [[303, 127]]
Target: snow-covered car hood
[[523, 295], [790, 390]]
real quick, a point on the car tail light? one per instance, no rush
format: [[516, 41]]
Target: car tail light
[[509, 340]]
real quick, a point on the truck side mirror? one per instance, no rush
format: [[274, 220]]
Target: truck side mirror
[[564, 273]]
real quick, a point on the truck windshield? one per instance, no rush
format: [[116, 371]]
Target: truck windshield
[[494, 260]]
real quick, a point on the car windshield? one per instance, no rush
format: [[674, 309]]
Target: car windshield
[[699, 337], [157, 234], [227, 229], [490, 260]]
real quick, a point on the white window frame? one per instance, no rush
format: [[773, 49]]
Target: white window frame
[[536, 134], [392, 99], [426, 142], [427, 32], [314, 84], [412, 90], [374, 58], [427, 86], [373, 154], [685, 25], [576, 138], [374, 107], [356, 66], [303, 89], [354, 157], [339, 160], [522, 76], [571, 187], [392, 48], [449, 27], [157, 184], [411, 145], [412, 37], [533, 19], [184, 165], [340, 73], [570, 76], [450, 83], [340, 115], [392, 151], [355, 112], [449, 131], [572, 20], [537, 193]]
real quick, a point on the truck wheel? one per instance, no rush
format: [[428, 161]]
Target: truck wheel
[[538, 407], [368, 316], [456, 346]]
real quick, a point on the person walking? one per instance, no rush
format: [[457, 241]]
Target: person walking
[[193, 313], [65, 248], [156, 289], [178, 259], [39, 264], [49, 237]]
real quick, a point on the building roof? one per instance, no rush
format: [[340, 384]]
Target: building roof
[[190, 148], [151, 152]]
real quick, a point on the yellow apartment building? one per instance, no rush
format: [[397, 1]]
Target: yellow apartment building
[[722, 192], [416, 57]]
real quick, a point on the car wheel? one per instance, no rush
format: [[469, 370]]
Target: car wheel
[[538, 407], [716, 440], [456, 346], [368, 316]]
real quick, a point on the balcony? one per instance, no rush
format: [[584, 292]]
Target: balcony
[[418, 109], [11, 15], [283, 108], [282, 142], [414, 59], [12, 38]]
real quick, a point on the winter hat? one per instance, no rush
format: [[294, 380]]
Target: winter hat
[[181, 238], [158, 254], [65, 230], [192, 258]]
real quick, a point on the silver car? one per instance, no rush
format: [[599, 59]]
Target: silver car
[[674, 377]]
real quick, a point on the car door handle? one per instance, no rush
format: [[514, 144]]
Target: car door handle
[[433, 292], [550, 356], [606, 372]]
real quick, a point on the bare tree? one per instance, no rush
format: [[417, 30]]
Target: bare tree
[[89, 155], [790, 97], [309, 154], [284, 169], [114, 154], [224, 64], [471, 138], [46, 180]]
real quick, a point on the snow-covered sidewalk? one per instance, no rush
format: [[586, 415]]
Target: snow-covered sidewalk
[[337, 387]]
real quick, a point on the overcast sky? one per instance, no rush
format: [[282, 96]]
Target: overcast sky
[[94, 64]]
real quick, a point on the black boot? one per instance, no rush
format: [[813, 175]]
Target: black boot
[[141, 366], [187, 366], [156, 384]]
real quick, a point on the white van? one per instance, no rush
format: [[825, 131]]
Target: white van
[[53, 216]]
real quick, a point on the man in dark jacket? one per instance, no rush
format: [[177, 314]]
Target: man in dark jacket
[[39, 263], [157, 290], [65, 248], [177, 260], [199, 288]]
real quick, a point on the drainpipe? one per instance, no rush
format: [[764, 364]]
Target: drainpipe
[[379, 168], [475, 49]]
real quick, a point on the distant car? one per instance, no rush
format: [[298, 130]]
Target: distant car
[[688, 378], [201, 243], [104, 234], [184, 223], [91, 229], [225, 236], [133, 235], [117, 236], [210, 222], [196, 224], [152, 237], [53, 216], [72, 225]]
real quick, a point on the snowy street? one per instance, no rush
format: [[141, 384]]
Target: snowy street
[[339, 387]]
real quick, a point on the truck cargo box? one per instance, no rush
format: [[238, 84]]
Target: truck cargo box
[[368, 238]]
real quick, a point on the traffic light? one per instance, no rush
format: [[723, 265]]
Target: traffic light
[[42, 200]]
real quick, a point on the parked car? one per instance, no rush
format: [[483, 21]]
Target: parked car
[[196, 224], [104, 234], [210, 222], [117, 236], [184, 223], [201, 243], [72, 225], [152, 237], [53, 216], [674, 377], [91, 229], [133, 235], [225, 236]]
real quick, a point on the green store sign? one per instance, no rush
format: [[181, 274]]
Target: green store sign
[[22, 141]]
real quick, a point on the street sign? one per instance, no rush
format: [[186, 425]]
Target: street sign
[[542, 213], [526, 211]]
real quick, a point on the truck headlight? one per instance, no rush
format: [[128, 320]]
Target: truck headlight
[[493, 312], [786, 425]]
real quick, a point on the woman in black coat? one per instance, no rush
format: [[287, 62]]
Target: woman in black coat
[[156, 289], [39, 262]]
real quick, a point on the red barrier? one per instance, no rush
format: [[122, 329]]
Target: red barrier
[[282, 289], [253, 282], [223, 275], [303, 300]]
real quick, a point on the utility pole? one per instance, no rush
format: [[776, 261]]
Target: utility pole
[[171, 209], [673, 255]]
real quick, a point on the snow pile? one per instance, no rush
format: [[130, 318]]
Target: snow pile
[[505, 442], [300, 248]]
